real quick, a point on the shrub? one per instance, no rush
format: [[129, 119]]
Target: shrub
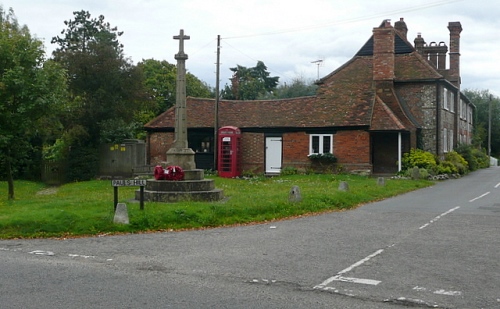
[[323, 157], [475, 158], [458, 161], [446, 167], [419, 158], [289, 170]]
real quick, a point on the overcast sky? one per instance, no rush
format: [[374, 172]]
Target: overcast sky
[[288, 36]]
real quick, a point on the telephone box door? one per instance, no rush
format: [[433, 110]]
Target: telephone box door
[[229, 152]]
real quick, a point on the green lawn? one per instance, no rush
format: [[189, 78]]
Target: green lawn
[[86, 208]]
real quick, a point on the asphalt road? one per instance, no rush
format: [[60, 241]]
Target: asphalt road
[[436, 247]]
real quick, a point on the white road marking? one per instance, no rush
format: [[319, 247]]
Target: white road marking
[[440, 292], [497, 185], [357, 280], [476, 198], [438, 217], [339, 277], [449, 293], [41, 252], [83, 256]]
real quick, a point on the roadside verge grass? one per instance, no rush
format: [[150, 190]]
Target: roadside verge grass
[[86, 208]]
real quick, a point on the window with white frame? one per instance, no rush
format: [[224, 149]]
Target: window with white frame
[[445, 99], [445, 140], [451, 101], [450, 140], [320, 143]]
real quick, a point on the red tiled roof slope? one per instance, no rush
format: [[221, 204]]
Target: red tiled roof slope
[[346, 97]]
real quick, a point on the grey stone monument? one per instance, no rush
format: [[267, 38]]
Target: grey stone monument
[[343, 186], [194, 187], [121, 214], [180, 154], [294, 195]]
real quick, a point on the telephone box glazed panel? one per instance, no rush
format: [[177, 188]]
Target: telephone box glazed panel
[[229, 152]]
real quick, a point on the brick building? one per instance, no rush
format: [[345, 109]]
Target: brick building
[[390, 97]]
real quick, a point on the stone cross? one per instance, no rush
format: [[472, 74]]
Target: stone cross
[[180, 100], [180, 154]]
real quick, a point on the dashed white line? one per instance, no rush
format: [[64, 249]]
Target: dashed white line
[[476, 198], [497, 185], [438, 217]]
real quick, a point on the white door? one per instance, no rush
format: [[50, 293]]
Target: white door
[[273, 155]]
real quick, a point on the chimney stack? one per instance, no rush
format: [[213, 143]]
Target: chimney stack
[[455, 30], [383, 52], [419, 43], [400, 26]]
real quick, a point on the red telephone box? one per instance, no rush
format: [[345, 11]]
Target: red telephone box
[[229, 152]]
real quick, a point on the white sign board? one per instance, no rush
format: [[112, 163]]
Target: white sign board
[[128, 183]]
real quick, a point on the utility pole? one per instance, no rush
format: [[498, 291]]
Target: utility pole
[[216, 112], [489, 127]]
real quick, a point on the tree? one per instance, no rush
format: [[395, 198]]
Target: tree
[[250, 83], [299, 87], [481, 99], [29, 90], [104, 85], [160, 82]]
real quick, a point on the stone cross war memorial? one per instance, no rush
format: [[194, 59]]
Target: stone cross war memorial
[[193, 186]]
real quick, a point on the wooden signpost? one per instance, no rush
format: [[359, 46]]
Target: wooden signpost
[[129, 183]]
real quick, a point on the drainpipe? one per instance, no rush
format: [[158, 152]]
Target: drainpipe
[[438, 117], [399, 151]]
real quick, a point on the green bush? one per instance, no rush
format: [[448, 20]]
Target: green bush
[[446, 167], [323, 157], [461, 165], [475, 158], [419, 158], [289, 170]]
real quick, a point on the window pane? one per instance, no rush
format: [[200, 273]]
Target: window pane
[[326, 144], [315, 144]]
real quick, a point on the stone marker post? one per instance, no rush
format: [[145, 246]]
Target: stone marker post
[[121, 214], [294, 195], [180, 154]]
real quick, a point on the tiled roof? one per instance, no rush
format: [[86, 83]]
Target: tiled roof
[[384, 119], [345, 98]]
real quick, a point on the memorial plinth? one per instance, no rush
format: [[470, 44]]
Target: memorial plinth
[[193, 188]]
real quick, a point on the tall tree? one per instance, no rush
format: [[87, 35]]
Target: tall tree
[[106, 88], [160, 79], [299, 87], [250, 83], [103, 83], [482, 99], [29, 90]]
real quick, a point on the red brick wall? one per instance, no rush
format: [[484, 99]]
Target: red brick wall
[[158, 144], [352, 148], [295, 149], [252, 148]]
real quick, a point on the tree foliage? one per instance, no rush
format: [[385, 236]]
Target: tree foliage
[[160, 82], [30, 91], [482, 99], [250, 83], [299, 87], [103, 83], [106, 89]]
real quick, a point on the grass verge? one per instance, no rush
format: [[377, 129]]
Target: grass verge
[[86, 208]]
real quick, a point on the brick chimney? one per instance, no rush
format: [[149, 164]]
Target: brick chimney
[[419, 43], [383, 52], [400, 26], [455, 30]]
